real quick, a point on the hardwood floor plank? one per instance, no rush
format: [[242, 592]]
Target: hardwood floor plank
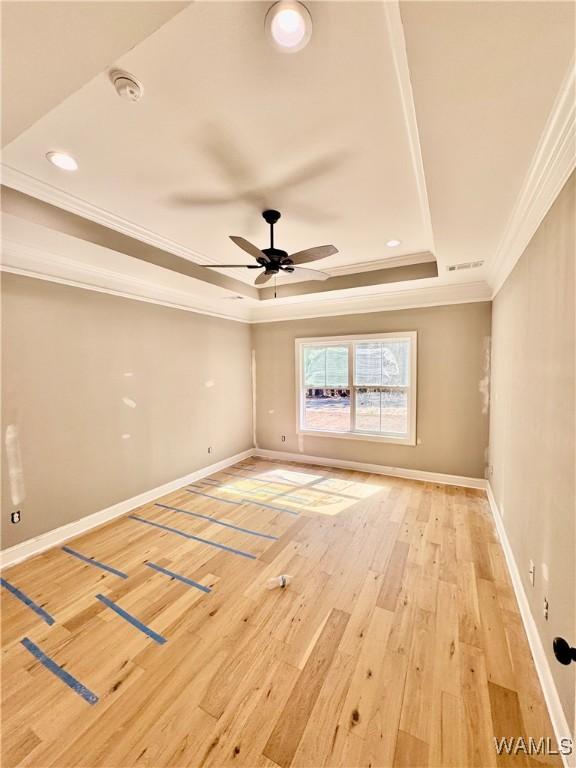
[[318, 741], [364, 683], [477, 714], [383, 725], [392, 582], [410, 752], [284, 740], [495, 645], [507, 722]]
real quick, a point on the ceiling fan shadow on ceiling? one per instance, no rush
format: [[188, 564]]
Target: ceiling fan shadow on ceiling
[[245, 182], [274, 261]]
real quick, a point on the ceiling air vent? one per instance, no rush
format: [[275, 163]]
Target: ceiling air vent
[[464, 265]]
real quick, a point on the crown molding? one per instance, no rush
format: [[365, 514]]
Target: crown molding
[[407, 298], [373, 266], [402, 69], [552, 164], [42, 264], [29, 185]]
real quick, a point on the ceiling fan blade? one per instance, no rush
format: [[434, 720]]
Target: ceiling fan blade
[[248, 247], [311, 274], [263, 278], [313, 254]]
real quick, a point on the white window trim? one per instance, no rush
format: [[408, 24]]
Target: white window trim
[[338, 341]]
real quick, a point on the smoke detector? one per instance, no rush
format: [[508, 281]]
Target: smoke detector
[[126, 85]]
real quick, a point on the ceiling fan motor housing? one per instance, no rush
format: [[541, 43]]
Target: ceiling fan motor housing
[[277, 259]]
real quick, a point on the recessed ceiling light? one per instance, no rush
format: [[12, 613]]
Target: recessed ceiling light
[[289, 25], [393, 243], [62, 160]]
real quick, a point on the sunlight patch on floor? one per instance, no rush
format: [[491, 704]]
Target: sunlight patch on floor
[[301, 491]]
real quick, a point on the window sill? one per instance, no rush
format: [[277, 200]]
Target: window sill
[[367, 436]]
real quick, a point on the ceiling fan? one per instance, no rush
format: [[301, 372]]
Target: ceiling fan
[[273, 260]]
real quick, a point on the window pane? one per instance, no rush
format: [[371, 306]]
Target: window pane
[[382, 363], [367, 410], [326, 366], [327, 410], [394, 417], [315, 366], [368, 364], [384, 411], [336, 366], [396, 362]]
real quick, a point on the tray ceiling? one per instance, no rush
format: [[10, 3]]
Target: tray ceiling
[[417, 122]]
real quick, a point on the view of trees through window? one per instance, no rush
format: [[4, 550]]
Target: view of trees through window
[[362, 386]]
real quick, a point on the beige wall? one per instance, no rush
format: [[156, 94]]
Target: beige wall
[[452, 411], [71, 357], [532, 435]]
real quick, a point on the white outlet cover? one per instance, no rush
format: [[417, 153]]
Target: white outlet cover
[[532, 572]]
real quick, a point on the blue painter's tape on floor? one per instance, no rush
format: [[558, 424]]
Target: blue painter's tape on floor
[[210, 496], [44, 615], [194, 538], [178, 576], [219, 522], [91, 561], [131, 619], [65, 676], [271, 506]]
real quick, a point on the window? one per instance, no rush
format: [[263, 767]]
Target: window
[[362, 387]]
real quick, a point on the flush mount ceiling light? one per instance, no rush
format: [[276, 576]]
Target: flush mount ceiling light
[[62, 160], [288, 25], [393, 243]]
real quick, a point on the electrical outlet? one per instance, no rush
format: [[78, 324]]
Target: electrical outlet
[[209, 449], [532, 572], [283, 438], [16, 516], [546, 606]]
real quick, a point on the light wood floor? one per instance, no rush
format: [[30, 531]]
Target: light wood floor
[[398, 643]]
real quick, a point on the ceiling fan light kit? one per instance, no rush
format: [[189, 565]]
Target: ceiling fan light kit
[[274, 260], [288, 26]]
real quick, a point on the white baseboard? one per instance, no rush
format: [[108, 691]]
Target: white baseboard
[[44, 541], [375, 469], [557, 716]]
